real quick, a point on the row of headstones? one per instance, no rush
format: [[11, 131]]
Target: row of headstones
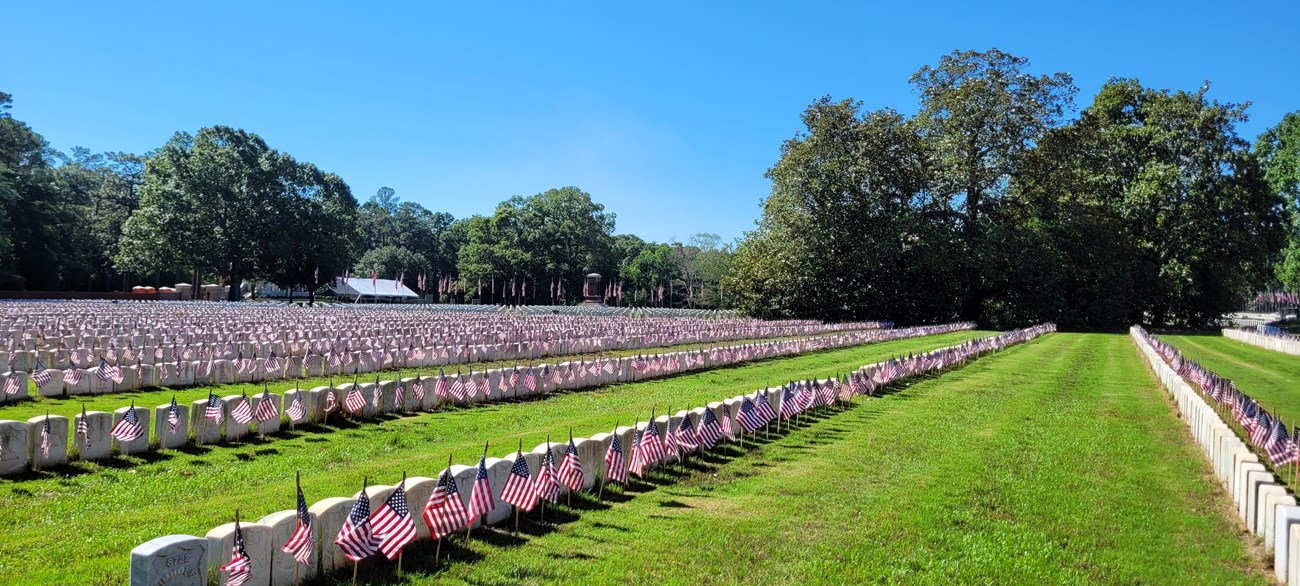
[[20, 440], [184, 374], [189, 559], [1273, 343], [1262, 501]]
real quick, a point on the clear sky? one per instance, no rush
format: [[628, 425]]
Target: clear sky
[[667, 113]]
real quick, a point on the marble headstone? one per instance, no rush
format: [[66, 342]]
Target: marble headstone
[[170, 560], [58, 441]]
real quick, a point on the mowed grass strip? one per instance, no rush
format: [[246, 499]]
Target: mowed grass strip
[[1056, 462], [101, 511], [1272, 378], [71, 405]]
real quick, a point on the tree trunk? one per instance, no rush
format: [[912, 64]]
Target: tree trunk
[[236, 276]]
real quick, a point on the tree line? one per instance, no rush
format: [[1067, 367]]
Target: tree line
[[993, 204], [222, 205]]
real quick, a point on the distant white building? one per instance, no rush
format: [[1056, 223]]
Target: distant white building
[[364, 289]]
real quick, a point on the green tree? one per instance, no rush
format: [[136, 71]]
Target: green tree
[[1278, 150], [390, 262], [221, 199], [982, 112], [318, 236]]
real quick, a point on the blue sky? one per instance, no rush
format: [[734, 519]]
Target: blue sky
[[667, 113]]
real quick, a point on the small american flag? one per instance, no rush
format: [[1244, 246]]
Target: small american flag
[[240, 566], [650, 449], [440, 386], [377, 396], [471, 387], [571, 468], [41, 376], [1278, 444], [399, 396], [480, 499], [355, 538], [266, 409], [457, 389], [72, 375], [514, 380], [272, 363], [296, 410], [445, 512], [105, 372], [355, 401], [615, 469], [128, 429], [765, 408], [789, 407], [530, 380], [173, 416], [728, 430], [47, 438], [749, 418], [547, 484], [417, 391], [392, 523], [330, 403], [303, 541], [83, 427], [710, 430], [518, 490], [215, 410], [242, 412], [686, 437], [11, 385]]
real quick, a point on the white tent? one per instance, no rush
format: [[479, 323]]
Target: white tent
[[361, 287]]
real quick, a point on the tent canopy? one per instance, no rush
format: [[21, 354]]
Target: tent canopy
[[378, 288]]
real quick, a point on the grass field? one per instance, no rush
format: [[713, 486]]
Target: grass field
[[1055, 462], [1272, 378], [76, 525], [70, 406]]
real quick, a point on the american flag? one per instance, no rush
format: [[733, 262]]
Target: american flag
[[1278, 444], [670, 440], [393, 524], [303, 540], [728, 430], [789, 407], [480, 498], [11, 385], [355, 401], [72, 375], [355, 537], [750, 421], [457, 389], [615, 469], [571, 468], [547, 484], [296, 410], [440, 386], [514, 380], [764, 408], [519, 491], [240, 565], [650, 449], [47, 438], [471, 387], [530, 380], [686, 437], [710, 430], [40, 375], [128, 429], [399, 396], [83, 427], [242, 412], [330, 402], [445, 512], [377, 396], [173, 416], [417, 391], [215, 410], [107, 373]]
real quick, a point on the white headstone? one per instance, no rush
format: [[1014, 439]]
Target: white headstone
[[57, 442], [271, 425], [140, 444], [96, 443], [330, 514], [234, 429], [257, 543], [283, 565], [171, 560], [206, 431], [14, 450], [162, 428]]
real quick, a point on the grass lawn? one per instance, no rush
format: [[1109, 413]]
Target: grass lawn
[[76, 525], [1056, 462], [1272, 378], [71, 405]]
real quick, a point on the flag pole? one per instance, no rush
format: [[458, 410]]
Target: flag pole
[[542, 515], [356, 563], [297, 480], [604, 477], [516, 507], [399, 554], [437, 556]]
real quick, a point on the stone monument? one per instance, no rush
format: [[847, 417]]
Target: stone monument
[[171, 560]]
